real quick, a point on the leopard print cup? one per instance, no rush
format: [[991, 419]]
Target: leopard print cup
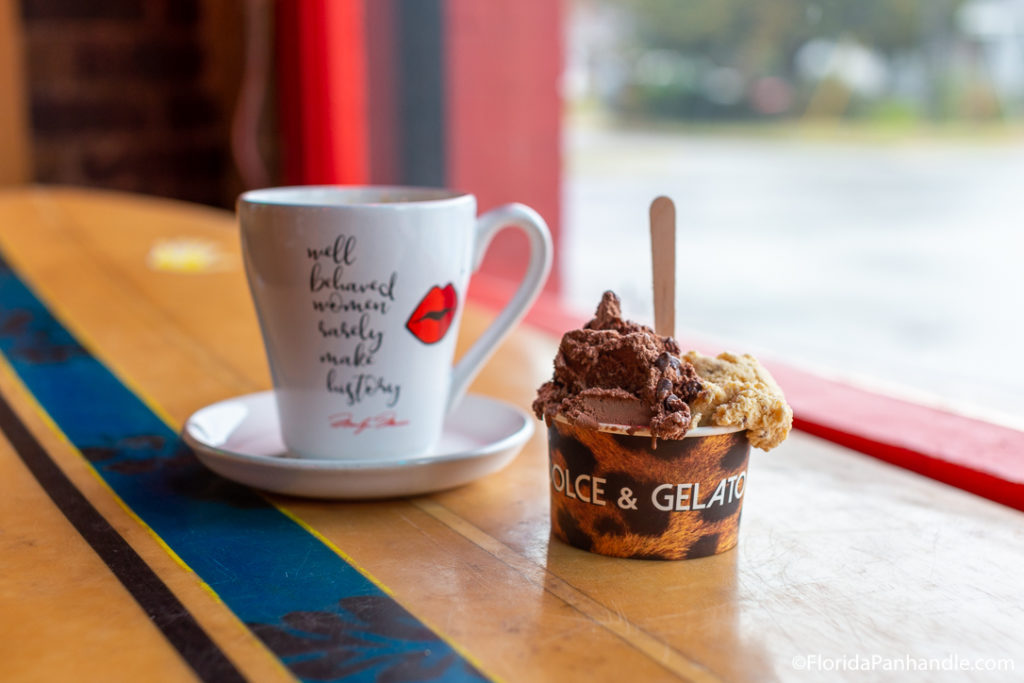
[[615, 494]]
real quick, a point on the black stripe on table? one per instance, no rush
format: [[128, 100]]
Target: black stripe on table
[[154, 597]]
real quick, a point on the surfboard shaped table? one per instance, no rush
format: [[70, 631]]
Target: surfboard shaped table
[[124, 558]]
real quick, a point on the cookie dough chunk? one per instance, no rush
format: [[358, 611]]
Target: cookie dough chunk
[[739, 391]]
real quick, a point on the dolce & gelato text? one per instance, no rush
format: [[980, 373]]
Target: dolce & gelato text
[[665, 497]]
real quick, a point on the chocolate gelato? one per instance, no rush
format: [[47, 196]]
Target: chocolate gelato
[[614, 371]]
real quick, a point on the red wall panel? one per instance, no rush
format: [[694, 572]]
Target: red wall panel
[[322, 100], [504, 62]]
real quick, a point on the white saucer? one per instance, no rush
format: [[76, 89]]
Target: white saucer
[[240, 439]]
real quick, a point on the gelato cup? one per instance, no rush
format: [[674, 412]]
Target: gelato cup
[[616, 490], [649, 446]]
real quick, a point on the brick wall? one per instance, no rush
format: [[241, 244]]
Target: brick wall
[[134, 95]]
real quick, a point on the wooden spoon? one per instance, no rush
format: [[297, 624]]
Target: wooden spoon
[[663, 260]]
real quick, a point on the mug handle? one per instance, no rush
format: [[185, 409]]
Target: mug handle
[[487, 226]]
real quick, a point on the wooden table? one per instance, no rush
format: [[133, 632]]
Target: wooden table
[[136, 314]]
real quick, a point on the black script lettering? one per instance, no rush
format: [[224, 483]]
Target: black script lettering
[[363, 331], [388, 290], [384, 289], [360, 357], [342, 251], [336, 303], [318, 281], [363, 386]]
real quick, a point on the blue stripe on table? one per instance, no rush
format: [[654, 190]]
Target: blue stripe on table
[[324, 619]]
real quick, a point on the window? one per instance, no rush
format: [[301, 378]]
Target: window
[[847, 179]]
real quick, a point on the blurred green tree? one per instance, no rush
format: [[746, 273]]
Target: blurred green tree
[[766, 32], [762, 38]]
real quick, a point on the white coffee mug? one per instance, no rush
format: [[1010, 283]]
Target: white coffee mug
[[359, 293]]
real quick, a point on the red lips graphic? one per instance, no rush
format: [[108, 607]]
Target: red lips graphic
[[433, 316]]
